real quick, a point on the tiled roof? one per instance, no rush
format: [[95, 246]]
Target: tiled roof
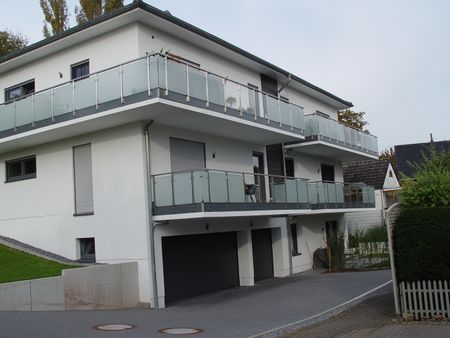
[[414, 153], [370, 172]]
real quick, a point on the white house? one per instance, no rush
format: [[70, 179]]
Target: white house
[[139, 137]]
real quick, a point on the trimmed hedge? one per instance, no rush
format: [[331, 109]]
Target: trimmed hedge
[[422, 244]]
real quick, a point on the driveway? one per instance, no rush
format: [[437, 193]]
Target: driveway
[[238, 312]]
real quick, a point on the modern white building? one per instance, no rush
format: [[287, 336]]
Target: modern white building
[[139, 137]]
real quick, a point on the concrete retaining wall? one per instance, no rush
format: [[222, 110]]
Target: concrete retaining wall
[[112, 286]]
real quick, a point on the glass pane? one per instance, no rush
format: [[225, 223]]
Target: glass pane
[[43, 105], [201, 193], [236, 188], [63, 99], [339, 193], [331, 192], [321, 192], [302, 189], [285, 113], [218, 187], [197, 84], [163, 190], [24, 111], [278, 190], [135, 77], [108, 85], [176, 77], [182, 188], [247, 100], [85, 93], [232, 95], [7, 116], [297, 117], [157, 67], [215, 90], [273, 112], [291, 190]]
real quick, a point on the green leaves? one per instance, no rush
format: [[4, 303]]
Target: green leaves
[[353, 119], [10, 42]]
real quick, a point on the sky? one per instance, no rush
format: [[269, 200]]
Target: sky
[[391, 59]]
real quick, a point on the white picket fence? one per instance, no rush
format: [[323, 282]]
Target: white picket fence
[[425, 299]]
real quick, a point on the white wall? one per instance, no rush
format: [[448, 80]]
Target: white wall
[[309, 167], [40, 211]]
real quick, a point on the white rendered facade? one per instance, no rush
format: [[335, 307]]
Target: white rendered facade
[[40, 211]]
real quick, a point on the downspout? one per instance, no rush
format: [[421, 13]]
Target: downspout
[[150, 213]]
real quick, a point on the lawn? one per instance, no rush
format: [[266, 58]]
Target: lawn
[[16, 265]]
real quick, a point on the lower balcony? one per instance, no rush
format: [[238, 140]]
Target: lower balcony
[[212, 193]]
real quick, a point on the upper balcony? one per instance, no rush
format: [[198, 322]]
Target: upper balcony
[[181, 95], [331, 139], [216, 193]]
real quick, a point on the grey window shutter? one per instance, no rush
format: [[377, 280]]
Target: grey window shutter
[[82, 163], [186, 155]]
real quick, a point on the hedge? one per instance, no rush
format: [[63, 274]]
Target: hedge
[[422, 244]]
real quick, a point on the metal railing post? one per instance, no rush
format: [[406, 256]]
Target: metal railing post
[[224, 96], [33, 113], [96, 92], [192, 186], [149, 83], [279, 109], [206, 89], [255, 95], [228, 187], [209, 187], [187, 83], [73, 98], [15, 115], [173, 188], [285, 189], [240, 99], [121, 83], [53, 104], [296, 190], [166, 92]]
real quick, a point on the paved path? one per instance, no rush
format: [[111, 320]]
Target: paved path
[[372, 319], [239, 312]]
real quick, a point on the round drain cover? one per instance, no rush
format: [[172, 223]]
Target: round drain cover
[[181, 330], [114, 327]]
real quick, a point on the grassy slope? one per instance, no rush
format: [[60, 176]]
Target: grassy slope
[[16, 265]]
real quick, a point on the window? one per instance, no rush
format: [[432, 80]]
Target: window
[[87, 250], [80, 69], [21, 169], [16, 92], [327, 173], [289, 163], [84, 195], [294, 240]]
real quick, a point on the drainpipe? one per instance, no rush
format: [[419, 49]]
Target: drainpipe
[[150, 212]]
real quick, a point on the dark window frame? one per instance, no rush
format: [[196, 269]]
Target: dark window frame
[[23, 176], [291, 160], [79, 65], [294, 240], [86, 257], [22, 87]]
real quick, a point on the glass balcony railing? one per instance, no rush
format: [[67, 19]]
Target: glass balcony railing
[[215, 190], [152, 76], [325, 129]]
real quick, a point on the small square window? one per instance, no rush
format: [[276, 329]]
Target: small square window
[[87, 250], [80, 70], [16, 92], [21, 169]]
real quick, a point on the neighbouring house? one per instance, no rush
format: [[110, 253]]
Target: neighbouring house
[[208, 166], [408, 154], [379, 174]]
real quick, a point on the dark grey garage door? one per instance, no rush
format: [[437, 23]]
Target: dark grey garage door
[[198, 264], [262, 253]]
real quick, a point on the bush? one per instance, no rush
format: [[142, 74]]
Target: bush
[[422, 244]]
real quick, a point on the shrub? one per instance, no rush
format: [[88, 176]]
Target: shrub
[[422, 244]]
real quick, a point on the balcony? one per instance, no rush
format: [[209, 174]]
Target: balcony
[[181, 95], [215, 191], [331, 139]]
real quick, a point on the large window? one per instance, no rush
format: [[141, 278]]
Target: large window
[[80, 69], [21, 169], [17, 91]]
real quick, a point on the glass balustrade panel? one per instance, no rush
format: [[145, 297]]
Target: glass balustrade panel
[[84, 92], [218, 187], [297, 117], [43, 105], [236, 188], [321, 192], [313, 193], [291, 190], [215, 90], [330, 189], [108, 85], [135, 78], [302, 191], [62, 97], [176, 77], [182, 188], [197, 84], [157, 72], [201, 193], [7, 116], [248, 101], [278, 190], [339, 192], [285, 113], [24, 111], [232, 95], [273, 111], [163, 190]]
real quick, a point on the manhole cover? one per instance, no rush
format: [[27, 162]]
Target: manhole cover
[[181, 330], [114, 327]]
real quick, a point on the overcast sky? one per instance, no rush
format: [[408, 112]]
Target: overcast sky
[[390, 58]]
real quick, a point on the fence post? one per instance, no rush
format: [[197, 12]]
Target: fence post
[[392, 214]]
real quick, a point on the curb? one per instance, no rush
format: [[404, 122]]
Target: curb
[[330, 313]]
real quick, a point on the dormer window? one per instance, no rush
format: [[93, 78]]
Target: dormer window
[[17, 91]]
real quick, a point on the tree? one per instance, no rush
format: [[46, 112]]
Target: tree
[[90, 9], [431, 186], [10, 42], [56, 15], [389, 154], [353, 119]]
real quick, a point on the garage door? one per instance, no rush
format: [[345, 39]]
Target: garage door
[[262, 254], [199, 264]]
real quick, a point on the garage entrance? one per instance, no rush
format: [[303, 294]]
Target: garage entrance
[[262, 254], [199, 264]]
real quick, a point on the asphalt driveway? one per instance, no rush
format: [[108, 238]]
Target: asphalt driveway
[[238, 312]]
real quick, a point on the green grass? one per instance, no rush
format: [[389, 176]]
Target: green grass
[[16, 265]]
